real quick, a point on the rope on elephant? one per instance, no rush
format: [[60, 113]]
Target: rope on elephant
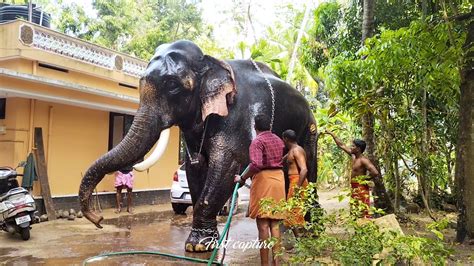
[[210, 261]]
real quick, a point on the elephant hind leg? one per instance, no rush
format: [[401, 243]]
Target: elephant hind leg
[[310, 147]]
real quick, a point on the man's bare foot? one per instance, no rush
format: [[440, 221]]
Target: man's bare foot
[[118, 210], [130, 211]]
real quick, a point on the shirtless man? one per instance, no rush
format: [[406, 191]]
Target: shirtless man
[[360, 166], [297, 172]]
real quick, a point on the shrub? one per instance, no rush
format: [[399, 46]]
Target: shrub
[[342, 237]]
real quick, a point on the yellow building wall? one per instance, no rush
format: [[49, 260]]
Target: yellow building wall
[[14, 144], [18, 64], [77, 137]]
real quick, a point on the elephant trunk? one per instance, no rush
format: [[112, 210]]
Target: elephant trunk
[[141, 137]]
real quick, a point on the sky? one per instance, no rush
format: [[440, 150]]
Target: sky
[[263, 14]]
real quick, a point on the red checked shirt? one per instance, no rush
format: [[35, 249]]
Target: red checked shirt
[[266, 152]]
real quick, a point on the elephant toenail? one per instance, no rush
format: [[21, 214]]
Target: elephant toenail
[[200, 248], [189, 247]]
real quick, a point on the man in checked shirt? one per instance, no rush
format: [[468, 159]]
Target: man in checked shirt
[[266, 152]]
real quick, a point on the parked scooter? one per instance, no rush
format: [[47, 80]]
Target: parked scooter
[[17, 206]]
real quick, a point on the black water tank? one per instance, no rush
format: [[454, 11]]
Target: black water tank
[[12, 12]]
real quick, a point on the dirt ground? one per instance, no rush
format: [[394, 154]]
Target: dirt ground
[[155, 228], [463, 254]]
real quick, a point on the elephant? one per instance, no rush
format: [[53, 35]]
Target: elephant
[[213, 102]]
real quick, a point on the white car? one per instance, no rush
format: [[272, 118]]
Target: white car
[[181, 197]]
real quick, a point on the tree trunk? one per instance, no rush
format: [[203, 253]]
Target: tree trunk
[[425, 184], [418, 178], [368, 20], [424, 8], [398, 185], [449, 164], [368, 119], [249, 16], [368, 135], [465, 143]]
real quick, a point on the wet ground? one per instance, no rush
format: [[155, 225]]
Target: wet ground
[[151, 228]]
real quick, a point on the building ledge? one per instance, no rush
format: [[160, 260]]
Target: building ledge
[[110, 100], [66, 85], [27, 40]]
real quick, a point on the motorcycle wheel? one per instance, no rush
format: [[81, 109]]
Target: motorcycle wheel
[[25, 233]]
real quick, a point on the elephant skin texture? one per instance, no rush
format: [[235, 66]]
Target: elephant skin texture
[[210, 100]]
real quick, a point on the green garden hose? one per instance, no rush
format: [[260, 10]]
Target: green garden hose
[[155, 253], [226, 227], [210, 261]]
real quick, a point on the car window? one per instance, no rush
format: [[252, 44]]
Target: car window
[[183, 167]]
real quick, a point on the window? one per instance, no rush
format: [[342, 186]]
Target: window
[[182, 149], [3, 107], [119, 124]]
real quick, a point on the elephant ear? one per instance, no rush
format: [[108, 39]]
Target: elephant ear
[[217, 88]]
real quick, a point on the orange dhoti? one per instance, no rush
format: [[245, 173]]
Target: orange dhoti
[[266, 184], [295, 217], [361, 193]]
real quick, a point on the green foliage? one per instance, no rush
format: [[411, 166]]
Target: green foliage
[[276, 50], [137, 27], [406, 249], [361, 247], [333, 163], [74, 21], [337, 28], [438, 226], [342, 238], [325, 27], [109, 30], [416, 50], [169, 21], [323, 34], [398, 67]]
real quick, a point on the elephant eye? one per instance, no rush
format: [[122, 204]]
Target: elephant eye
[[173, 87]]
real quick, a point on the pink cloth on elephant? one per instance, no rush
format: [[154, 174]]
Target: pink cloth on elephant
[[122, 179]]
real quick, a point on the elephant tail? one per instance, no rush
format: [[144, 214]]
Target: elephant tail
[[311, 149]]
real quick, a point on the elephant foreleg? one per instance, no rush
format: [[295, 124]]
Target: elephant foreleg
[[217, 189], [196, 176]]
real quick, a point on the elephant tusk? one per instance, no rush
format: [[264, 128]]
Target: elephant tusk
[[157, 153]]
